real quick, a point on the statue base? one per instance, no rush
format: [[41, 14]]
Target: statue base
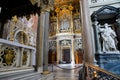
[[109, 61], [109, 52]]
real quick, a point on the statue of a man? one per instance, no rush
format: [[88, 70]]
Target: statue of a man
[[108, 36]]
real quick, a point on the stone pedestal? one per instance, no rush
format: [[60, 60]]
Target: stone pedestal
[[109, 61]]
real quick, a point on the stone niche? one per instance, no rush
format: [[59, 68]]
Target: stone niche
[[107, 47]]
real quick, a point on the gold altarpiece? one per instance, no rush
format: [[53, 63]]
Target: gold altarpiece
[[65, 32]]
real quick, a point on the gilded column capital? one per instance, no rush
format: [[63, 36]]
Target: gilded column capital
[[47, 7]]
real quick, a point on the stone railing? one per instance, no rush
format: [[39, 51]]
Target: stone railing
[[91, 72], [14, 55]]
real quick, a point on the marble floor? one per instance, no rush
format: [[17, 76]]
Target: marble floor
[[66, 71]]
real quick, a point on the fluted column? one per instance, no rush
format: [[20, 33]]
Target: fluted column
[[86, 32]]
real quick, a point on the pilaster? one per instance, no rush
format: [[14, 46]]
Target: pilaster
[[72, 52], [58, 51], [96, 31]]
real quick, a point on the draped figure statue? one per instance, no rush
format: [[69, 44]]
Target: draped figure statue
[[108, 38]]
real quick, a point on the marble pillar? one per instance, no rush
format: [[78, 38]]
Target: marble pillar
[[86, 32], [58, 52], [46, 43], [39, 43], [72, 52], [97, 44]]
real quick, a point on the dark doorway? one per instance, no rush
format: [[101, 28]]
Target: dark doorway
[[66, 55], [52, 57]]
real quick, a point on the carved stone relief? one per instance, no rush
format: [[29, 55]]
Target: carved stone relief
[[52, 45], [78, 43], [7, 57], [24, 28], [26, 57], [65, 43]]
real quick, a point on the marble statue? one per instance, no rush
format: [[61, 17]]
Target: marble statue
[[77, 23], [108, 36]]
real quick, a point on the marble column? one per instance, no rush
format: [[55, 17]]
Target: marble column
[[58, 52], [86, 32], [39, 43], [97, 44], [72, 52], [46, 43]]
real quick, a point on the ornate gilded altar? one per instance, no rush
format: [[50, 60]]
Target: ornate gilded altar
[[65, 30], [17, 48]]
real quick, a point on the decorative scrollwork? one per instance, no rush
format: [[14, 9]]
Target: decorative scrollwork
[[7, 57], [52, 45], [24, 58]]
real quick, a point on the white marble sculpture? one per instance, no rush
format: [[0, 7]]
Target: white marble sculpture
[[108, 36], [77, 23]]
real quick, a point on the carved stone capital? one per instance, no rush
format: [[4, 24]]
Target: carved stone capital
[[47, 7]]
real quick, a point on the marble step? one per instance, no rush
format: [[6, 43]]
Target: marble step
[[25, 75], [28, 76], [9, 74]]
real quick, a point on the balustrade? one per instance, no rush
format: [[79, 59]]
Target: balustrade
[[91, 72], [14, 55]]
